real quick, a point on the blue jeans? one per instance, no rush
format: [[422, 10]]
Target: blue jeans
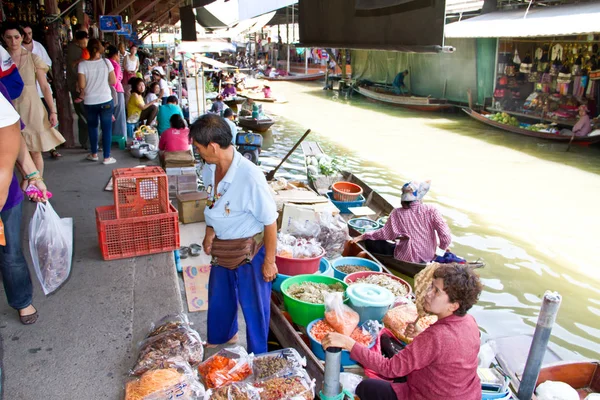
[[14, 269], [103, 113], [245, 285], [119, 126], [164, 100]]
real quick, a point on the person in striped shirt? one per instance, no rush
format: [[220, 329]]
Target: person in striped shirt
[[411, 232]]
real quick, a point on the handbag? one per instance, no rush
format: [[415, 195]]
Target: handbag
[[113, 91], [234, 253]]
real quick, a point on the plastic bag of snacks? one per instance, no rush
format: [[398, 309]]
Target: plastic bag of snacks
[[176, 380], [234, 391], [277, 363], [228, 365], [333, 234], [398, 318], [156, 350], [292, 247], [341, 317], [168, 323], [296, 386]]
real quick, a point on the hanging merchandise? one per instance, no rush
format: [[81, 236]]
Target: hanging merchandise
[[539, 53], [557, 52], [526, 65], [516, 58]]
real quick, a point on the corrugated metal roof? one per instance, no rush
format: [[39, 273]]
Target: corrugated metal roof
[[567, 20]]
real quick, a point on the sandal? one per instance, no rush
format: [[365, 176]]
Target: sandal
[[195, 249], [55, 154], [233, 340], [184, 252], [29, 319]]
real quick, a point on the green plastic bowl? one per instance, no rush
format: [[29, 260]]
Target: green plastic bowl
[[304, 313]]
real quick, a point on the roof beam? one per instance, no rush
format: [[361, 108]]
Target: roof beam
[[122, 7], [163, 14], [144, 10]]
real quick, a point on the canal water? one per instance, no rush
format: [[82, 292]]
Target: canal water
[[527, 207]]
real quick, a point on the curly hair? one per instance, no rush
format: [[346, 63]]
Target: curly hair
[[461, 284]]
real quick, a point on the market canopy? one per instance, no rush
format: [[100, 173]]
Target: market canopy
[[576, 19], [206, 46]]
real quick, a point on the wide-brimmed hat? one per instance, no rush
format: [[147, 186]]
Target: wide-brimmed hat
[[160, 70], [229, 82]]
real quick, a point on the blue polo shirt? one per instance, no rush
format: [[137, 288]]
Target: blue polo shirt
[[165, 112], [245, 204]]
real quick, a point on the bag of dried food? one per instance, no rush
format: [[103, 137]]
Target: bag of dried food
[[176, 380], [341, 317], [277, 363], [233, 391], [155, 351], [232, 364], [168, 323], [51, 246], [398, 318], [297, 386]]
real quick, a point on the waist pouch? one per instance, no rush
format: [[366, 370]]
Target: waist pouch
[[233, 253]]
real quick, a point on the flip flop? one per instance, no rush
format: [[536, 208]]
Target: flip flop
[[195, 249], [184, 252], [55, 154], [233, 340]]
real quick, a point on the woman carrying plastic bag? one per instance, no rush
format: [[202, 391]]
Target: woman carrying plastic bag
[[51, 246]]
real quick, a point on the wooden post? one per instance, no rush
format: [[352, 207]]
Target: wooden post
[[63, 101], [343, 55], [306, 51], [287, 36]]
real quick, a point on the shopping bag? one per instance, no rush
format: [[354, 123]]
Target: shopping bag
[[51, 246]]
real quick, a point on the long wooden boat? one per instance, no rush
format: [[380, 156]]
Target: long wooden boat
[[583, 376], [235, 101], [256, 125], [298, 77], [411, 102], [261, 98], [381, 207], [540, 135]]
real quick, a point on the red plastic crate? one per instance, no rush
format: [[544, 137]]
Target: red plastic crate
[[140, 192], [136, 236]]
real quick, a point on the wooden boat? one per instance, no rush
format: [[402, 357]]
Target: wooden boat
[[583, 376], [540, 135], [256, 125], [412, 102], [380, 206], [235, 101], [298, 77], [261, 98]]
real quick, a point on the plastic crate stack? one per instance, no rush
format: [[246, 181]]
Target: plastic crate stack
[[142, 221]]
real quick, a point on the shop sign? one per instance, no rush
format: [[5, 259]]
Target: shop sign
[[111, 23], [126, 30]]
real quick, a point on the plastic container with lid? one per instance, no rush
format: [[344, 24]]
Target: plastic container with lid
[[369, 301]]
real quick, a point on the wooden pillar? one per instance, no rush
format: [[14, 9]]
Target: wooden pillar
[[287, 37], [343, 56], [63, 101]]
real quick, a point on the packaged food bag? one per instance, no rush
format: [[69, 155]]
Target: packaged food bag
[[233, 391], [341, 317], [398, 318], [158, 350], [229, 365], [176, 380], [280, 363], [51, 246], [298, 386]]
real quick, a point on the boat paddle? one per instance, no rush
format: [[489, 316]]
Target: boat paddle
[[571, 141], [271, 174]]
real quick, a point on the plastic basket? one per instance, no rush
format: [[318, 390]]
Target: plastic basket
[[345, 206], [346, 191], [298, 266], [136, 236], [140, 192]]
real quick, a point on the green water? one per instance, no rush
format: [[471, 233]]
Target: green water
[[527, 207]]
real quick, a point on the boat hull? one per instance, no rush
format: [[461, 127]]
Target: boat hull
[[540, 135], [298, 77], [259, 126], [410, 102]]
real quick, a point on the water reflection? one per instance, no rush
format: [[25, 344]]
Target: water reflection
[[474, 166]]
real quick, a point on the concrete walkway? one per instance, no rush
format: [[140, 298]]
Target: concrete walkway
[[84, 342]]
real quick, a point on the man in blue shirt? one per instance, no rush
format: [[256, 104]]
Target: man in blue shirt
[[399, 86], [165, 112], [240, 214]]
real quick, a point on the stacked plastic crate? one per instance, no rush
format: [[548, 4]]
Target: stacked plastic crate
[[142, 221]]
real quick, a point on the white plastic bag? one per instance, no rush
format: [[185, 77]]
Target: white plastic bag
[[51, 246]]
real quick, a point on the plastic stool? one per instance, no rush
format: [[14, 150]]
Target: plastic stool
[[120, 140]]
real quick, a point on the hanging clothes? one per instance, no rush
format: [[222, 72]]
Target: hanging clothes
[[557, 52]]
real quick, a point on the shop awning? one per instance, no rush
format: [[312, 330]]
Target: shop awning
[[576, 19], [254, 8], [206, 46]]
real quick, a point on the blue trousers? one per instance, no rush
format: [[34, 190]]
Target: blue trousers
[[14, 269], [100, 114], [244, 285]]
